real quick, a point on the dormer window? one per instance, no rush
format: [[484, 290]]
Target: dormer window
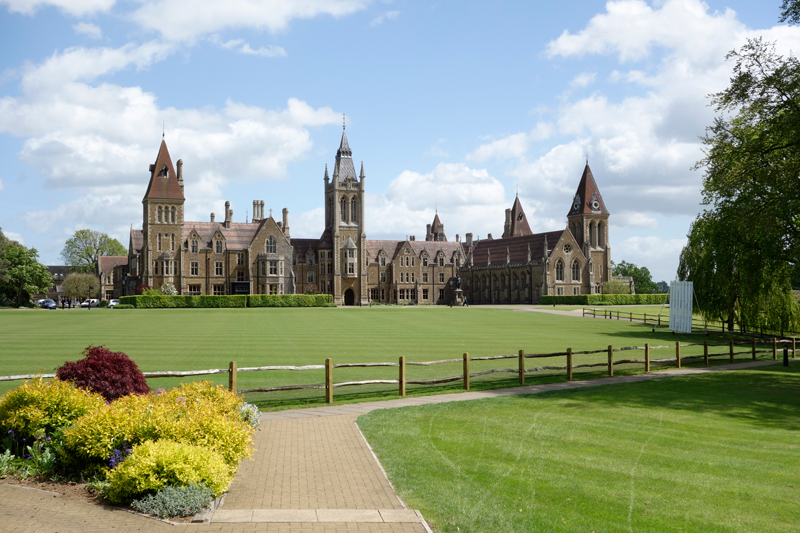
[[219, 246], [383, 260], [194, 246], [441, 260], [424, 260], [310, 260], [164, 171]]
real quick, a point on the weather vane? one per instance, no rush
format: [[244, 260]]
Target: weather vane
[[343, 124]]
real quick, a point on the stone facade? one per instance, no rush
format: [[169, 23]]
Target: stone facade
[[261, 257]]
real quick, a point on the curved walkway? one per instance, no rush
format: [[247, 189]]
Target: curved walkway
[[312, 471]]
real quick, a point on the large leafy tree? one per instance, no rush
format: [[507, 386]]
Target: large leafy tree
[[82, 249], [81, 285], [742, 248], [25, 276], [642, 279]]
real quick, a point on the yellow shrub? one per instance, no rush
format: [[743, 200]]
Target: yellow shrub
[[42, 407], [195, 413], [155, 465]]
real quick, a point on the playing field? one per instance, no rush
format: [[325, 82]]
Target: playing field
[[709, 453], [193, 339]]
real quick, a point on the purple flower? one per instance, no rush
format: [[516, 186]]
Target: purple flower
[[10, 431], [182, 400], [160, 391]]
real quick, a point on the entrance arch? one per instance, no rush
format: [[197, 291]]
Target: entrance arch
[[349, 297]]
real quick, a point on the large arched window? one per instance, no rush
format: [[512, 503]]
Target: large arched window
[[343, 208], [160, 212], [354, 210], [601, 235], [576, 271], [271, 245], [559, 270], [174, 215]]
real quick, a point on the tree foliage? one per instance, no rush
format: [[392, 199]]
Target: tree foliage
[[81, 285], [741, 250], [21, 274], [642, 279], [82, 249]]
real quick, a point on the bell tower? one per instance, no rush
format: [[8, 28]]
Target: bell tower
[[344, 216], [588, 221], [162, 224]]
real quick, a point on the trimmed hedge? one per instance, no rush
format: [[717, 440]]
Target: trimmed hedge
[[606, 299], [161, 302], [238, 300], [289, 300]]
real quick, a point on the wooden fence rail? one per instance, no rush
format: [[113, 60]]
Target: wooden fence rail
[[521, 369]]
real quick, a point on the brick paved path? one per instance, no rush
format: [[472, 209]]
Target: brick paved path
[[311, 472]]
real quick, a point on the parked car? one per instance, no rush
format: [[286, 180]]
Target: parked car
[[90, 302], [47, 303], [112, 303]]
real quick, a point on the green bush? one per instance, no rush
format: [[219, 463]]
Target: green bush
[[40, 408], [289, 300], [154, 465], [103, 303], [606, 299], [175, 501], [184, 301], [123, 306]]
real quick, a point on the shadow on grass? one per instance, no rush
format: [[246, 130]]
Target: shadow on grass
[[765, 396]]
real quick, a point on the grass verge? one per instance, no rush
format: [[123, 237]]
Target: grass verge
[[711, 453]]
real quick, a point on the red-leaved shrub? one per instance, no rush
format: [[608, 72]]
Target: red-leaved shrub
[[141, 288], [110, 374]]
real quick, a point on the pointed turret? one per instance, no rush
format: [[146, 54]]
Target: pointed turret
[[361, 174], [516, 221], [326, 173], [587, 198], [164, 183], [344, 169]]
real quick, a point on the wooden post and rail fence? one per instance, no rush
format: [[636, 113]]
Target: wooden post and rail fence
[[521, 370]]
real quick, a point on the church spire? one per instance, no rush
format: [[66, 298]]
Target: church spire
[[344, 169], [361, 175], [587, 198]]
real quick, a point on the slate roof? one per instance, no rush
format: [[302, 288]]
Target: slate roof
[[59, 272], [516, 246], [237, 237], [108, 262], [163, 187], [301, 247], [519, 221], [137, 240], [587, 189], [392, 248], [344, 169]]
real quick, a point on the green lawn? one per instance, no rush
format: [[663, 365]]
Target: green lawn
[[193, 339], [710, 453]]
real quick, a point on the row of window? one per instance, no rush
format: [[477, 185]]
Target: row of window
[[440, 260], [576, 270], [352, 215], [167, 215], [400, 295]]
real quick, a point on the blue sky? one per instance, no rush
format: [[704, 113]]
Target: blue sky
[[450, 105]]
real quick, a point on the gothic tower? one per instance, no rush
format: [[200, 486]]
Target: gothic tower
[[588, 221], [344, 216], [162, 224]]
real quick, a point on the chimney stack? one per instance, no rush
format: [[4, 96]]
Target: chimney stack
[[428, 236], [212, 217], [255, 211], [458, 238], [489, 237], [285, 224], [507, 228], [228, 214], [180, 173], [469, 240]]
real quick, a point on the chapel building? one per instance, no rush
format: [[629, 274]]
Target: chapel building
[[261, 257]]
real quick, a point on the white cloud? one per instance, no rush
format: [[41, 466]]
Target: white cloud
[[14, 236], [583, 79], [389, 15], [76, 8], [633, 219], [1, 185], [88, 29], [512, 146], [659, 255], [203, 17], [244, 48]]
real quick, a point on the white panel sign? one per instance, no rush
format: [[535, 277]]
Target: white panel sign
[[681, 294]]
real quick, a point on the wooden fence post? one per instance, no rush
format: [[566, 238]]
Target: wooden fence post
[[569, 364], [617, 315], [647, 356], [610, 361], [631, 317], [329, 380], [705, 351], [466, 371], [522, 367], [645, 318], [402, 375], [794, 350], [232, 376], [678, 353], [731, 349], [754, 349], [659, 325], [774, 349]]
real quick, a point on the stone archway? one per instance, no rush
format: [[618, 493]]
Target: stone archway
[[349, 297]]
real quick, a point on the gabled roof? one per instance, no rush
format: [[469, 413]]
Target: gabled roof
[[108, 262], [516, 247], [137, 240], [519, 222], [237, 237], [163, 181], [587, 193], [344, 169]]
